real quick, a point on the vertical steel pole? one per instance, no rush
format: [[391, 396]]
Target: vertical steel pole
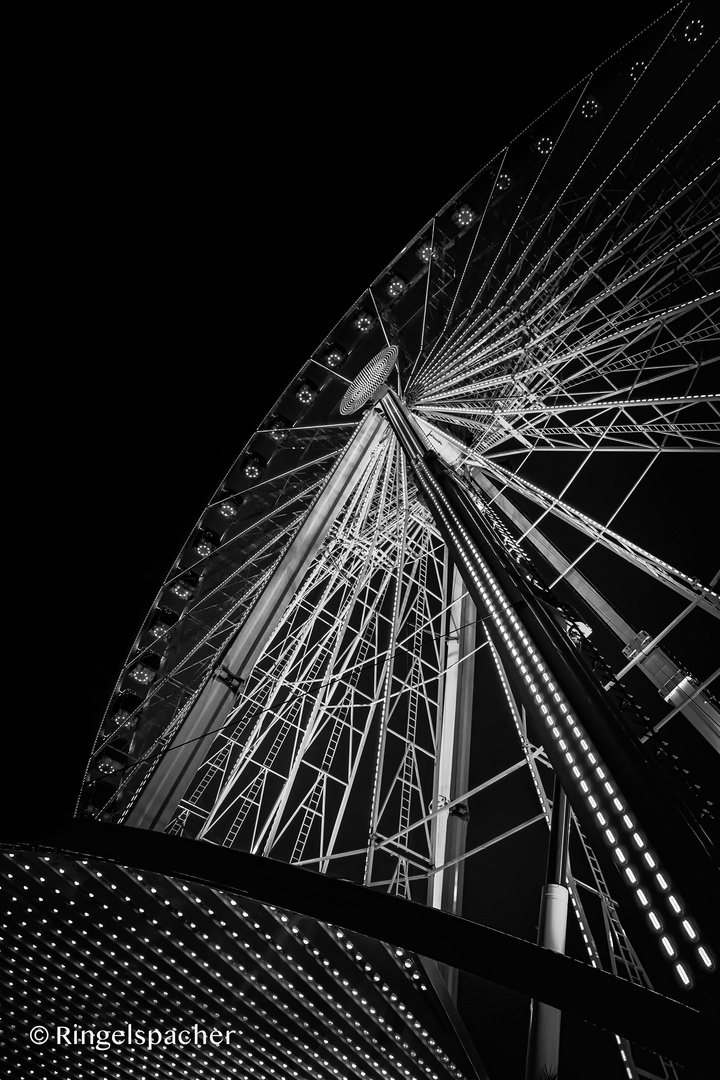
[[543, 1053], [450, 826]]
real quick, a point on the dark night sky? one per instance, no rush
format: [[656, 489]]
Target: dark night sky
[[206, 228]]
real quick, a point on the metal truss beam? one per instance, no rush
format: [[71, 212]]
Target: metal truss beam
[[192, 742]]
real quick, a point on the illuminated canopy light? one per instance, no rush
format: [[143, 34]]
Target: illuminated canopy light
[[544, 145], [503, 182], [396, 286], [464, 216], [306, 392], [335, 357], [185, 586], [164, 619], [127, 706], [143, 674], [637, 69], [205, 542], [363, 321], [693, 31], [426, 252], [229, 503], [278, 429], [121, 717], [128, 700], [589, 108], [254, 466], [107, 764]]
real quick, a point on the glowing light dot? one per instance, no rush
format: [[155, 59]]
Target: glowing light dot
[[706, 958]]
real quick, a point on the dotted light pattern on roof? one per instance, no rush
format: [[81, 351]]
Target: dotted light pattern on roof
[[94, 946]]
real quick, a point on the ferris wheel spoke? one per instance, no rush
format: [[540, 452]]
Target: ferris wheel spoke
[[622, 208], [623, 336], [613, 247], [548, 250], [480, 329], [462, 331], [599, 432], [523, 409], [643, 262], [442, 339], [581, 276], [526, 417], [332, 708], [646, 436], [600, 534], [648, 286], [426, 302]]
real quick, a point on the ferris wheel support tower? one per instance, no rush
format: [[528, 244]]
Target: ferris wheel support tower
[[638, 828]]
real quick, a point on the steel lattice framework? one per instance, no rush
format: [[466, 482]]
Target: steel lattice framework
[[308, 682]]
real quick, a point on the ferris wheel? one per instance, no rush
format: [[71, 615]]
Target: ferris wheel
[[467, 559]]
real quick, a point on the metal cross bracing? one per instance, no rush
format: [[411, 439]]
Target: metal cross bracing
[[661, 669], [492, 474], [320, 678], [224, 585], [544, 309]]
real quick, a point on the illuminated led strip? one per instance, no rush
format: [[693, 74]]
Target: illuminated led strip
[[600, 792], [542, 798]]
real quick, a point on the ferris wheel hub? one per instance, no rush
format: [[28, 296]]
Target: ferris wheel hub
[[369, 381]]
